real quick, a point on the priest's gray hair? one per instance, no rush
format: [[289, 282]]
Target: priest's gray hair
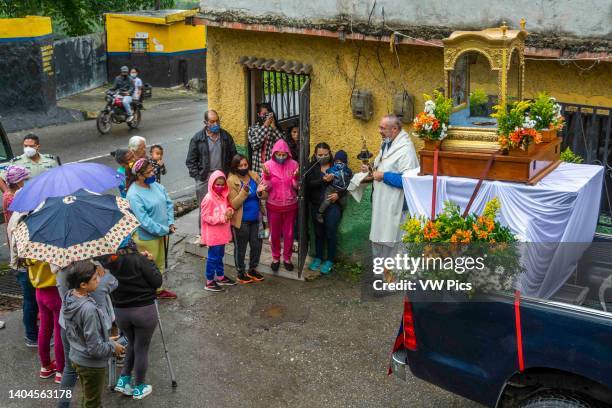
[[394, 121], [135, 142]]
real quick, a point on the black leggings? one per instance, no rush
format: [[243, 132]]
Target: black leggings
[[138, 325]]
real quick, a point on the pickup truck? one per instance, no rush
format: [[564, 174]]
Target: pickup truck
[[507, 350]]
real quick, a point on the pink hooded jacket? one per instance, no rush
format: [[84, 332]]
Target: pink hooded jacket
[[281, 183], [216, 230]]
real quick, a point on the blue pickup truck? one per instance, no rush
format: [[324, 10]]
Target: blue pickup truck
[[508, 350]]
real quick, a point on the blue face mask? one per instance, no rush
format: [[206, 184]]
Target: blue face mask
[[340, 165], [280, 160], [149, 180], [215, 128]]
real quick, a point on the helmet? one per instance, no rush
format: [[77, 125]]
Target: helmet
[[15, 174], [125, 69]]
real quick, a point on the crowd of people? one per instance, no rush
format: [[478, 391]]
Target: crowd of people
[[104, 309]]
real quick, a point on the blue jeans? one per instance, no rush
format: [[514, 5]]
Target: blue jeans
[[127, 100], [326, 232], [69, 376], [214, 263], [30, 307]]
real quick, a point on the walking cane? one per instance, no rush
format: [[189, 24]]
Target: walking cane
[[166, 239], [161, 331]]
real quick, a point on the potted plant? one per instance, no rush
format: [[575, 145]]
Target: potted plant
[[547, 114], [478, 103], [431, 125], [516, 130]]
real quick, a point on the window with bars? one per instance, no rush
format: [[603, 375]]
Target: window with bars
[[281, 91], [139, 45]]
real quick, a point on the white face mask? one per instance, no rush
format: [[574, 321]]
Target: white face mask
[[134, 75], [29, 151], [387, 139]]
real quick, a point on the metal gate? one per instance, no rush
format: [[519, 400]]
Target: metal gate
[[304, 152], [283, 92]]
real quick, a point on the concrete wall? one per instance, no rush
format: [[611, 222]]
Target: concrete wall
[[27, 77], [420, 71], [80, 64], [581, 18]]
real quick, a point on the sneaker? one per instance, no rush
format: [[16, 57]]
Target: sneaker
[[166, 294], [124, 385], [47, 372], [58, 378], [225, 281], [31, 343], [315, 264], [213, 287], [288, 266], [319, 218], [142, 390], [256, 276], [275, 266], [243, 278], [326, 267]]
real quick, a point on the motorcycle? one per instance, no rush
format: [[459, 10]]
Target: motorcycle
[[114, 112]]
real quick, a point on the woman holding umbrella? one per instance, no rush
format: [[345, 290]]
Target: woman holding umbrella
[[155, 211]]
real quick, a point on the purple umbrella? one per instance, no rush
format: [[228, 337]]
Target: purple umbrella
[[64, 180]]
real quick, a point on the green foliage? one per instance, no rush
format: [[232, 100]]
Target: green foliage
[[277, 82], [76, 17], [568, 156], [509, 120], [542, 110], [478, 97], [348, 270]]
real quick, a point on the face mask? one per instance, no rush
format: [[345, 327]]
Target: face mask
[[218, 189], [324, 159], [387, 140], [340, 165], [280, 160], [149, 180], [215, 128], [29, 151], [133, 75], [242, 172]]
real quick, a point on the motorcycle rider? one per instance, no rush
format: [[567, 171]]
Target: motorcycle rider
[[125, 86], [136, 96]]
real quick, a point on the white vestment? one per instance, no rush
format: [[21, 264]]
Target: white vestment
[[388, 201]]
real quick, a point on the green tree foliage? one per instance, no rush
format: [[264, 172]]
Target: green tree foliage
[[76, 17]]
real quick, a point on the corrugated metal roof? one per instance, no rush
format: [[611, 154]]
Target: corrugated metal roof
[[268, 64]]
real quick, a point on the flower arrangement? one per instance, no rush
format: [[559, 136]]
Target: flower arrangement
[[516, 128], [451, 227], [432, 123], [451, 237], [546, 112]]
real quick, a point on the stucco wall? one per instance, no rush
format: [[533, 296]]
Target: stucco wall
[[582, 18], [333, 61]]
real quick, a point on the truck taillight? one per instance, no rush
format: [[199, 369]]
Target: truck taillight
[[410, 341]]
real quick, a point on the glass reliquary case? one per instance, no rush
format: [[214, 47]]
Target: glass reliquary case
[[482, 69]]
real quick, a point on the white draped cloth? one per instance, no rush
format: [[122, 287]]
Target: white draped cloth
[[562, 208]]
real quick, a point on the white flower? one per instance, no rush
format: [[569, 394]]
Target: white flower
[[499, 270], [528, 123], [430, 106]]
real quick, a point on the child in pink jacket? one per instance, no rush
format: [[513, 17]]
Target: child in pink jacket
[[216, 214], [280, 176]]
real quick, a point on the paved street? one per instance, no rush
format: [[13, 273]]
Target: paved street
[[273, 344], [171, 125], [278, 343]]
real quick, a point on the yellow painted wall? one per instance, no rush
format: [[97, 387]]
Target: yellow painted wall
[[173, 37], [333, 64], [30, 26]]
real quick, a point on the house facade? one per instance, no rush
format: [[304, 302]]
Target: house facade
[[167, 51], [384, 49]]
